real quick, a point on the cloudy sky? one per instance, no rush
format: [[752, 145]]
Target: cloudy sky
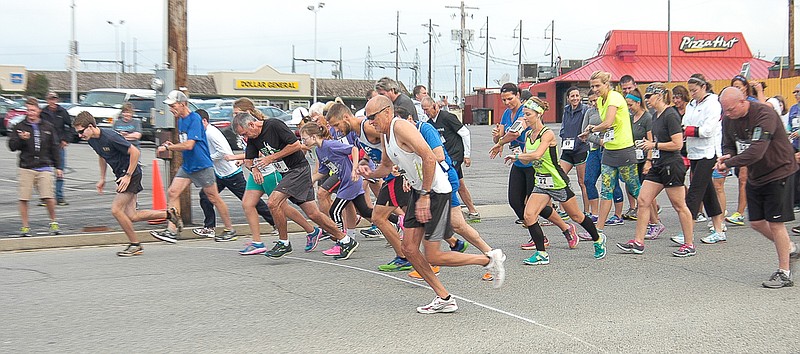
[[243, 35]]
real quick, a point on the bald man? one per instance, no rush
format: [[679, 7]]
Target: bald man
[[753, 135]]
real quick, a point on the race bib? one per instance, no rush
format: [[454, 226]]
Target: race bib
[[182, 137], [545, 181], [280, 166], [516, 150], [656, 154], [443, 139], [608, 135], [639, 154], [795, 123], [741, 146], [567, 144], [343, 140]]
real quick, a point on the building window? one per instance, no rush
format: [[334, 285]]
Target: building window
[[542, 95]]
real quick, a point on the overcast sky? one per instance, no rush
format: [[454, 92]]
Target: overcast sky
[[243, 35]]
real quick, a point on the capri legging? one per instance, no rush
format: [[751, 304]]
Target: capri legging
[[593, 174], [338, 205], [701, 188], [520, 185], [628, 174]]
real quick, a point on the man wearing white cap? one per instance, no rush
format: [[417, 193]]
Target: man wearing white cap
[[197, 166]]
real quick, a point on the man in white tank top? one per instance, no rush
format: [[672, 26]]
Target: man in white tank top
[[428, 214]]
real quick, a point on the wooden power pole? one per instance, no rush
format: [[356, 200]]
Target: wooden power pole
[[791, 39], [177, 49]]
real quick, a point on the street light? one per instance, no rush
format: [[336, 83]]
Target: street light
[[117, 46], [315, 9], [470, 81]]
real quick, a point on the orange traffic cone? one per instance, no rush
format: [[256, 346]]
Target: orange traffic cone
[[159, 200]]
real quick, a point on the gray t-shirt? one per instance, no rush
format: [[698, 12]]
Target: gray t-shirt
[[134, 126], [405, 102]]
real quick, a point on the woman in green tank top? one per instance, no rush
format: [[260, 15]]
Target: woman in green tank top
[[550, 183]]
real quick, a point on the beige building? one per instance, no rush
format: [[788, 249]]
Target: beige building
[[13, 78]]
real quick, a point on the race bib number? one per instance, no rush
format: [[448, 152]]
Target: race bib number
[[741, 146], [443, 139], [568, 144], [795, 123], [182, 137], [656, 154], [343, 140], [516, 150], [545, 181], [608, 135], [280, 166], [639, 154]]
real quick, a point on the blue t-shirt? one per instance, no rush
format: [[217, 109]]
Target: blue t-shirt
[[334, 157], [507, 121], [434, 140], [198, 158], [113, 148]]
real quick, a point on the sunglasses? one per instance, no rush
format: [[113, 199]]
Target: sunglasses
[[795, 92], [372, 116], [80, 132]]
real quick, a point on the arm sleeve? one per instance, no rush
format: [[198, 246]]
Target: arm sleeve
[[465, 138], [728, 139]]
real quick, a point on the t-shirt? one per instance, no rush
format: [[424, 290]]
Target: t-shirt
[[275, 136], [405, 102], [334, 158], [640, 129], [191, 128], [448, 125], [113, 148], [519, 144], [664, 127], [434, 141], [134, 126], [621, 128]]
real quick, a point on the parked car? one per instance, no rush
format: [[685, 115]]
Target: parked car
[[106, 104], [11, 113], [221, 118], [275, 112]]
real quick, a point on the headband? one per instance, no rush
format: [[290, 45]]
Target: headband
[[532, 105], [697, 81], [633, 98]]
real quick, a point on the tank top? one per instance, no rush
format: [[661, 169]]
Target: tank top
[[547, 174], [411, 165]]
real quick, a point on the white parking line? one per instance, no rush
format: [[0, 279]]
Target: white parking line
[[422, 285]]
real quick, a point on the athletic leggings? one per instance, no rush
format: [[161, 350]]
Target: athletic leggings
[[520, 185], [593, 173], [628, 174], [701, 188], [338, 205]]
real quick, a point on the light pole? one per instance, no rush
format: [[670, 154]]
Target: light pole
[[116, 44], [470, 82], [315, 9]]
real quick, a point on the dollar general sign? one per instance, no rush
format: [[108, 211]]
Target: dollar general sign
[[267, 85]]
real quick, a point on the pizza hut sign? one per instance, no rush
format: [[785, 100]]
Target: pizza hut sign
[[690, 44]]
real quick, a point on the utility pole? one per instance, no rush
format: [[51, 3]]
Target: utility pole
[[486, 83], [397, 34], [293, 59], [73, 61], [430, 52], [463, 45], [455, 82], [669, 43], [177, 49], [553, 40], [519, 62], [135, 63], [791, 39]]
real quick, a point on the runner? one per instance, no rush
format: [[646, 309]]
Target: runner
[[114, 150], [197, 167], [753, 136], [428, 216], [552, 183], [281, 149], [573, 150], [668, 171]]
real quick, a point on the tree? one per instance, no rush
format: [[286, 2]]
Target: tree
[[37, 86]]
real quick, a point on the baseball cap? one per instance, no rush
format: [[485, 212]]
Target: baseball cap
[[51, 94], [176, 96], [797, 87], [298, 114]]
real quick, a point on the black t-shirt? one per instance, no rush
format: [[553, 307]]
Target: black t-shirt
[[113, 148], [448, 126], [405, 102], [664, 127], [275, 136]]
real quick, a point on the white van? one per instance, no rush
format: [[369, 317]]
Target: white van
[[105, 104]]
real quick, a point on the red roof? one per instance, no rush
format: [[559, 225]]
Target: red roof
[[643, 55]]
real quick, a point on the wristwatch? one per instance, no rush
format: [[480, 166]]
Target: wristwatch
[[424, 192]]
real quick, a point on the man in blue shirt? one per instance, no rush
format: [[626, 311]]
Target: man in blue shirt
[[197, 167]]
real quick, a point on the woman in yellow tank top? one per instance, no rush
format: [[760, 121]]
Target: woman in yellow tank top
[[551, 183]]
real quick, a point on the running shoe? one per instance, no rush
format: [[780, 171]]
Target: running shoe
[[701, 217], [396, 265], [226, 236], [715, 237], [474, 217], [165, 235], [460, 246], [131, 250], [252, 248], [796, 229], [677, 238], [325, 235], [736, 218], [654, 231], [312, 239], [372, 232], [414, 274], [439, 305], [62, 202], [614, 221], [54, 229], [571, 235], [779, 279], [711, 226], [204, 231], [530, 245], [631, 246], [796, 209], [346, 249], [520, 222], [630, 214], [594, 218], [175, 217], [25, 231], [600, 247], [495, 266], [583, 235], [685, 251], [546, 243], [333, 251], [563, 214], [279, 250], [538, 258], [487, 276], [545, 222]]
